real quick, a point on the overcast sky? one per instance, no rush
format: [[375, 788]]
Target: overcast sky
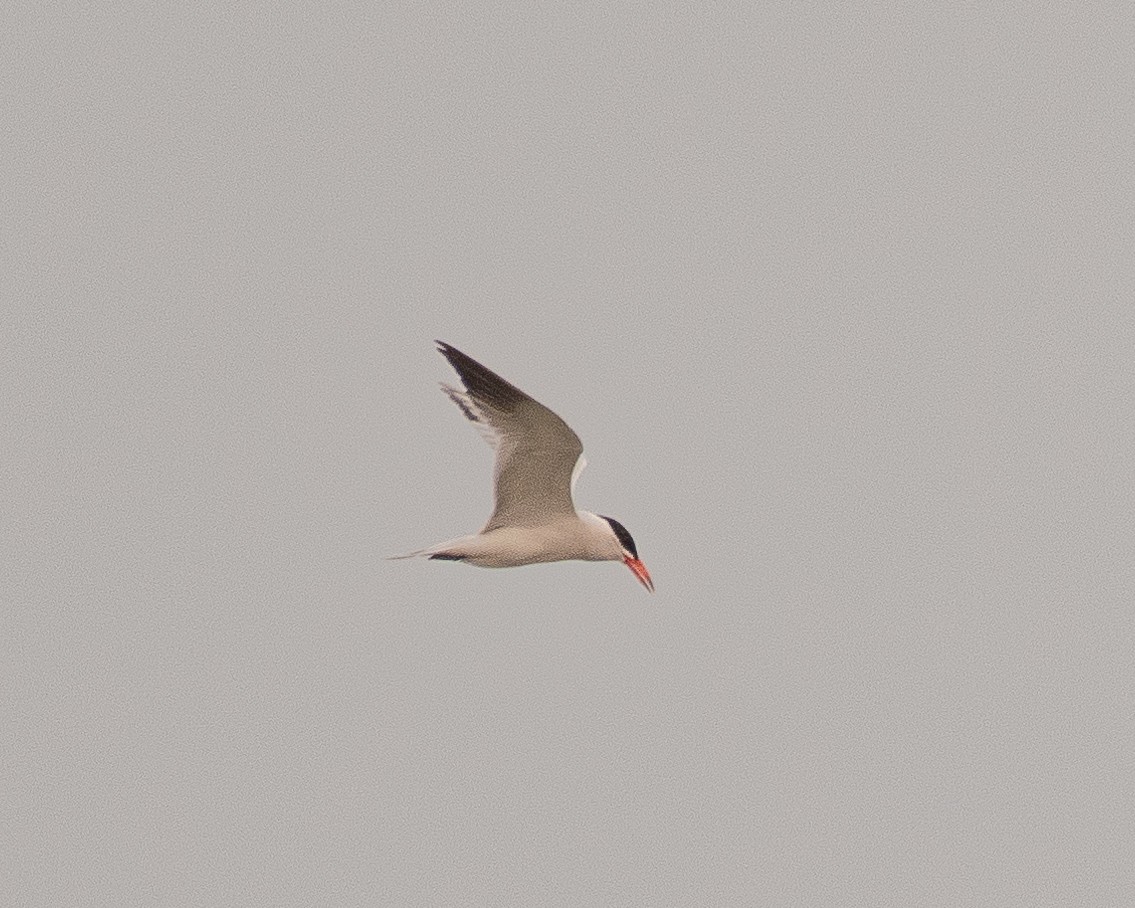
[[840, 302]]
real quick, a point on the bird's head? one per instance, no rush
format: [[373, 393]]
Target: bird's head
[[628, 552]]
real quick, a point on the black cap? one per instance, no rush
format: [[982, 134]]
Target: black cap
[[624, 537]]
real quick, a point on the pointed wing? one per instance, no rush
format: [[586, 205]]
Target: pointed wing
[[538, 456]]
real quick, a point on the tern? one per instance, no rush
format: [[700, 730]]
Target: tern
[[538, 460]]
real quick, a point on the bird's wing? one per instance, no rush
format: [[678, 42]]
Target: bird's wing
[[538, 456]]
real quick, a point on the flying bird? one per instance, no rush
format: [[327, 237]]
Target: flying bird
[[538, 459]]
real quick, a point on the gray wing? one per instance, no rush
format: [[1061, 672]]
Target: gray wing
[[537, 453]]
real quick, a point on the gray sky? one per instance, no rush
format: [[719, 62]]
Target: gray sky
[[840, 303]]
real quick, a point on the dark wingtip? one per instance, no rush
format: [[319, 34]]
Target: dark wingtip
[[455, 356], [452, 355], [482, 383]]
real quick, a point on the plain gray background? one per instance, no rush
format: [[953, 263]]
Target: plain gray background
[[840, 302]]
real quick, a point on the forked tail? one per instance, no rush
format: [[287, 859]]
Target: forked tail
[[426, 553]]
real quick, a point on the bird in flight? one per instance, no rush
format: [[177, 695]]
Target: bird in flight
[[538, 459]]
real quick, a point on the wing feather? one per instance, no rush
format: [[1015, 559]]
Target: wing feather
[[538, 456]]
